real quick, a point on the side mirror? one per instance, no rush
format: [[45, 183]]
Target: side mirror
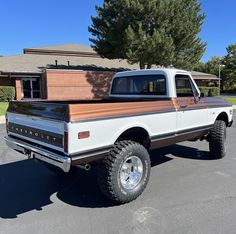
[[202, 95]]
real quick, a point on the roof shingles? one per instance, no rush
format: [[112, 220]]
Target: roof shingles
[[36, 63]]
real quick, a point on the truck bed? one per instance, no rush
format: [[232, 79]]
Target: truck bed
[[78, 110], [81, 110]]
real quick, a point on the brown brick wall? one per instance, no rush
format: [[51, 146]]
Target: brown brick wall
[[66, 84], [18, 89]]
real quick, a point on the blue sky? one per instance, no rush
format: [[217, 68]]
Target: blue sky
[[31, 23]]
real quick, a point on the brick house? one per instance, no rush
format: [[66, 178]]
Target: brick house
[[69, 71]]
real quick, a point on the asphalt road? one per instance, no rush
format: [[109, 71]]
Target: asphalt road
[[187, 193]]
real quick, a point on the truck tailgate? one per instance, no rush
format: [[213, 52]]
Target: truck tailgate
[[54, 111], [40, 123]]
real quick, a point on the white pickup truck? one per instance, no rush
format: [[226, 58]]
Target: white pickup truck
[[146, 110]]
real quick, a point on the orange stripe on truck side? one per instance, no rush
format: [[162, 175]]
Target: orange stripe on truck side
[[119, 109]]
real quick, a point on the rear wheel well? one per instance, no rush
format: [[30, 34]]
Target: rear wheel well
[[137, 134], [224, 117]]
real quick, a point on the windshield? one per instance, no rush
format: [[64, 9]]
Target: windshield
[[139, 85]]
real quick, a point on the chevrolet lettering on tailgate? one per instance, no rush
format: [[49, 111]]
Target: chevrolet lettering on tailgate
[[36, 134]]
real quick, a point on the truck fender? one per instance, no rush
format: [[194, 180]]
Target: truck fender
[[130, 126]]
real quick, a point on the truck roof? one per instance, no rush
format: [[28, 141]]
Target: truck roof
[[168, 71]]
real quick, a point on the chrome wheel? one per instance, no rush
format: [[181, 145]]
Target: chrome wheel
[[131, 172]]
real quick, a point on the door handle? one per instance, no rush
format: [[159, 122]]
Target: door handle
[[183, 106]]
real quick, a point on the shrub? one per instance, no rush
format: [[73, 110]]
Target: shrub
[[204, 90], [7, 93], [213, 92], [232, 91], [209, 91]]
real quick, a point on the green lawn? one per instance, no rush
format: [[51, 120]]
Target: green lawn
[[230, 100], [3, 108]]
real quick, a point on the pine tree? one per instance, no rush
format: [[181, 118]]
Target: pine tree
[[229, 71], [148, 32]]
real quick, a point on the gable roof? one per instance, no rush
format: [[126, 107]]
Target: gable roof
[[37, 63], [68, 56], [203, 76], [196, 73]]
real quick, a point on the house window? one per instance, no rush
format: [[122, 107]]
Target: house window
[[31, 88]]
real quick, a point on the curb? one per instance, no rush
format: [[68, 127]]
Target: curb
[[2, 119]]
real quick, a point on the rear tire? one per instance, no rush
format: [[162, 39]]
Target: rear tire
[[124, 173], [217, 138]]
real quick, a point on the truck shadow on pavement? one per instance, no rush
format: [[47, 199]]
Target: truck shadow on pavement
[[27, 186], [179, 151]]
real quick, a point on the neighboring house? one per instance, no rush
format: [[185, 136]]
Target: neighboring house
[[69, 71]]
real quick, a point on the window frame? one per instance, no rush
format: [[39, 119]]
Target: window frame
[[193, 88]]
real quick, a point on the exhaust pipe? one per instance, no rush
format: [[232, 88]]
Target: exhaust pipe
[[85, 167]]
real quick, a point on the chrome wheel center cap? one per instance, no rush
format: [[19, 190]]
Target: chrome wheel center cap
[[131, 172]]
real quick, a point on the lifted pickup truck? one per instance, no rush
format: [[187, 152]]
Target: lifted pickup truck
[[147, 109]]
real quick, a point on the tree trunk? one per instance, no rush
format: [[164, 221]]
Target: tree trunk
[[142, 65]]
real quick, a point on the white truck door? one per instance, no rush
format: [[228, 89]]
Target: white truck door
[[192, 113]]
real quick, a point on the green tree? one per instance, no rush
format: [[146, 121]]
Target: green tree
[[148, 32], [229, 71], [211, 66]]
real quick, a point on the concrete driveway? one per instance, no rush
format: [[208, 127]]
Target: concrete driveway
[[187, 193]]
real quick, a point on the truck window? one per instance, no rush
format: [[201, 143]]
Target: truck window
[[139, 85], [183, 86]]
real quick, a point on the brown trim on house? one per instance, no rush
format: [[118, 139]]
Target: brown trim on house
[[26, 73], [61, 53], [26, 76]]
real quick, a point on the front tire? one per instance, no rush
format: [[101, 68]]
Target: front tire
[[217, 138], [124, 173]]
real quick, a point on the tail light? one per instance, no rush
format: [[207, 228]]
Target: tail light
[[83, 135], [66, 142]]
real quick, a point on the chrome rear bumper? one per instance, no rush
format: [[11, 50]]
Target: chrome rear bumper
[[62, 162]]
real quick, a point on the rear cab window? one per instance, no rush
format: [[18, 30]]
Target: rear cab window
[[146, 85]]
